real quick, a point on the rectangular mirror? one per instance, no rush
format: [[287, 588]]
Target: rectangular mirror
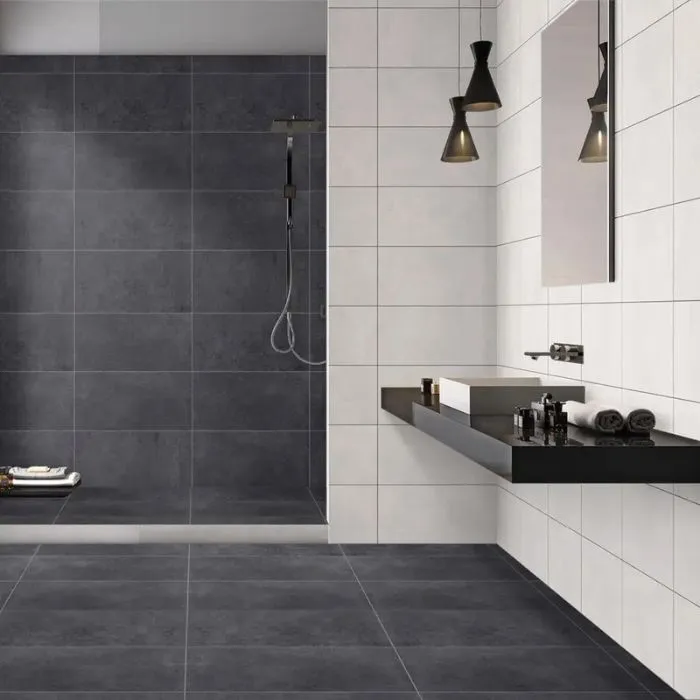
[[578, 146]]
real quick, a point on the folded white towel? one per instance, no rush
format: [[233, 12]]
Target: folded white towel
[[603, 419], [69, 481], [39, 472]]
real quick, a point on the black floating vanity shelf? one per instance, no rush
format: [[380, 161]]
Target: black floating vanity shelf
[[586, 458]]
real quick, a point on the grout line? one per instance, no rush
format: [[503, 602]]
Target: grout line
[[19, 580], [646, 27], [189, 249], [192, 312], [619, 557], [377, 287], [673, 346], [154, 430], [575, 623], [622, 553], [142, 313], [165, 190], [336, 581], [309, 263], [75, 293], [181, 132], [412, 187], [156, 371], [381, 624], [187, 621], [516, 177], [423, 306], [65, 501], [320, 510], [609, 386], [505, 120], [519, 240], [672, 108]]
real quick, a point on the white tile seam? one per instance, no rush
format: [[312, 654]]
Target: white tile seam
[[378, 180], [381, 127], [516, 177], [653, 116], [600, 303], [517, 113], [591, 383], [417, 306], [593, 542], [599, 646], [673, 341], [670, 13], [673, 233]]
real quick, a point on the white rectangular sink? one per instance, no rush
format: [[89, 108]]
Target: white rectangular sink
[[500, 395]]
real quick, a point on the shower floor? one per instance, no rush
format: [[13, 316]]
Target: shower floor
[[101, 506], [274, 622]]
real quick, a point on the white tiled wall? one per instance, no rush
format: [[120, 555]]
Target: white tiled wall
[[412, 266], [626, 556]]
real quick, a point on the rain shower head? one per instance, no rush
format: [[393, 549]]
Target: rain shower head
[[295, 126]]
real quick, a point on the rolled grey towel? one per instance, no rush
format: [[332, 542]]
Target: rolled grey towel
[[604, 419], [640, 420]]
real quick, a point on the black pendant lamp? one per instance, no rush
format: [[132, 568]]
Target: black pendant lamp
[[481, 94], [600, 98], [460, 147], [595, 147]]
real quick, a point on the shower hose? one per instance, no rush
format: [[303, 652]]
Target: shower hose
[[285, 317]]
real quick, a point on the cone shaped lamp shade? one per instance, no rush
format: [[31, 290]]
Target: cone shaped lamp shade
[[595, 147], [600, 99], [460, 146], [481, 95]]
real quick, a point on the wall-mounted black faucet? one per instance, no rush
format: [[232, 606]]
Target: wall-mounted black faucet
[[562, 352]]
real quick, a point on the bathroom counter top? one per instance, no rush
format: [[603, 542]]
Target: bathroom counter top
[[587, 457]]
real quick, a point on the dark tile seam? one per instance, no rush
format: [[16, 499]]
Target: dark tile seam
[[68, 497], [192, 315], [309, 402], [19, 580], [381, 624], [187, 621], [575, 623], [75, 292]]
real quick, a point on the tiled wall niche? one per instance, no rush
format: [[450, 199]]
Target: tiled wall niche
[[143, 232]]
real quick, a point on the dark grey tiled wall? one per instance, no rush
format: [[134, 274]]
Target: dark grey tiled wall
[[142, 231]]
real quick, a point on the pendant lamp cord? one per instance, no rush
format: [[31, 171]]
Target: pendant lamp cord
[[481, 15], [459, 46], [598, 47]]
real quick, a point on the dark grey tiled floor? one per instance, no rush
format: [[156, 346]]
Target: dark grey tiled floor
[[275, 622], [106, 506]]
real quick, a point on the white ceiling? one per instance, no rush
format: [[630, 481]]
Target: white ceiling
[[163, 26]]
